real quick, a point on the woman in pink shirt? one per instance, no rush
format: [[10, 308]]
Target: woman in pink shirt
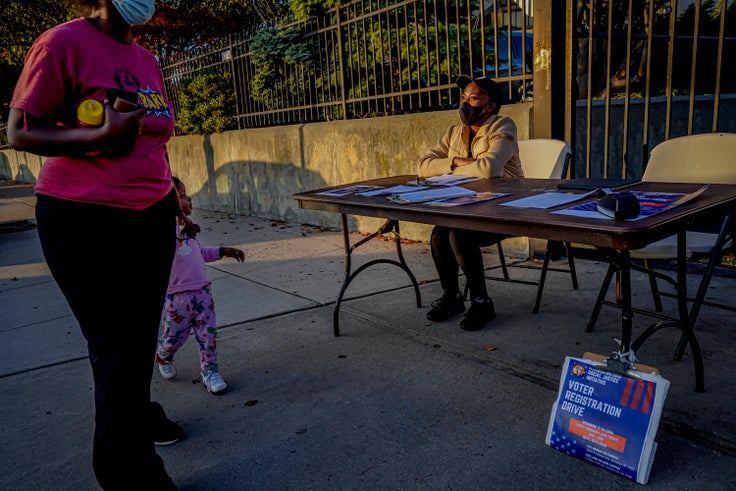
[[105, 184]]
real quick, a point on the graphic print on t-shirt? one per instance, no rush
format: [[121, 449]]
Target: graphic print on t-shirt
[[126, 80], [154, 102], [184, 249]]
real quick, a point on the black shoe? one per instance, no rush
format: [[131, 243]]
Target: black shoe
[[479, 314], [444, 307], [165, 431]]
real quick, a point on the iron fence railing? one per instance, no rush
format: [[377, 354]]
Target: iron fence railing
[[372, 58], [646, 72], [641, 71]]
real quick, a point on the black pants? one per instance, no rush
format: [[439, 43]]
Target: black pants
[[113, 266], [454, 248]]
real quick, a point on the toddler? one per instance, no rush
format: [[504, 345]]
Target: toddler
[[189, 304]]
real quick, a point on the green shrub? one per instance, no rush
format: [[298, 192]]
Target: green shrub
[[273, 50], [207, 103], [304, 8]]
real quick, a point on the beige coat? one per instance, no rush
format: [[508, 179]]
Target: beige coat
[[494, 148]]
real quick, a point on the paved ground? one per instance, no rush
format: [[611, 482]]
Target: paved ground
[[396, 402]]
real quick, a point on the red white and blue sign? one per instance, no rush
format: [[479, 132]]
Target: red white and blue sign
[[607, 418]]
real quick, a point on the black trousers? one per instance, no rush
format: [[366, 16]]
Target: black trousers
[[113, 266], [454, 249]]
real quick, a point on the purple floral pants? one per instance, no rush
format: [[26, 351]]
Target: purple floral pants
[[185, 312]]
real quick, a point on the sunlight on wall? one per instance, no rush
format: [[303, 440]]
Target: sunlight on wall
[[222, 183]]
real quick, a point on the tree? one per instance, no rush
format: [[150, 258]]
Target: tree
[[22, 23], [304, 8], [178, 27], [273, 50], [181, 26]]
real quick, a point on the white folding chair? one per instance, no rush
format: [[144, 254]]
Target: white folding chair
[[541, 158], [702, 158]]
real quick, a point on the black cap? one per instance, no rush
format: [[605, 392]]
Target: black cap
[[487, 85]]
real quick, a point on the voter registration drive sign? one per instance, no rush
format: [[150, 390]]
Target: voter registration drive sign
[[606, 418]]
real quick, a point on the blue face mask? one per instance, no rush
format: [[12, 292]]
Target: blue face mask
[[135, 12]]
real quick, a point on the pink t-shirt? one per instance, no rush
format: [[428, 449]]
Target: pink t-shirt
[[73, 62]]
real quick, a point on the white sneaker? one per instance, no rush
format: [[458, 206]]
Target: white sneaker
[[167, 370], [213, 382]]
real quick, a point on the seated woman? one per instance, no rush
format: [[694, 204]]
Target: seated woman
[[483, 146]]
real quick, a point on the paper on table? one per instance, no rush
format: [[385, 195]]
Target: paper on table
[[584, 210], [651, 203], [354, 189], [547, 200], [401, 188], [467, 200], [431, 194], [445, 180]]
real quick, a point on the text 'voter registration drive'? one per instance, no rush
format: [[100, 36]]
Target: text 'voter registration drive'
[[608, 418]]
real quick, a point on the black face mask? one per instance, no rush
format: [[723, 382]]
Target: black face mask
[[470, 114]]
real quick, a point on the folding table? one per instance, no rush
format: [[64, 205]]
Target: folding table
[[491, 216]]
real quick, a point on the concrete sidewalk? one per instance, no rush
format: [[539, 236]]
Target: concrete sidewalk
[[396, 402]]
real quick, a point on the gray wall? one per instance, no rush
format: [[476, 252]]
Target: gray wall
[[256, 171]]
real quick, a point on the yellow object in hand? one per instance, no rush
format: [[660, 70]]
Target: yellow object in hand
[[90, 113]]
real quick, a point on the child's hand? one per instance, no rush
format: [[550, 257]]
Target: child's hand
[[233, 253]]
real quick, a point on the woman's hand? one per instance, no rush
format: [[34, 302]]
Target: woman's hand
[[121, 129], [462, 161], [116, 136]]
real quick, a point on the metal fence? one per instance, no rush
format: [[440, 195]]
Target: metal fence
[[369, 58], [645, 72], [637, 72]]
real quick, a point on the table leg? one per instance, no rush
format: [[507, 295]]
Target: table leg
[[626, 313], [623, 361], [387, 227]]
